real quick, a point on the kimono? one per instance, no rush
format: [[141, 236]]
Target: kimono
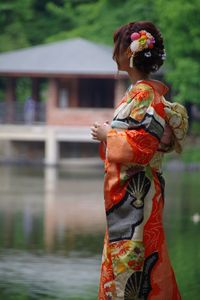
[[135, 260]]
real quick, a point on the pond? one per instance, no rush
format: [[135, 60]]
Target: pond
[[52, 226]]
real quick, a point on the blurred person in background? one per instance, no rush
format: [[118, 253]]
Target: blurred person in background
[[135, 260], [29, 110]]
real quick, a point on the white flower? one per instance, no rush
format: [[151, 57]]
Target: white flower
[[147, 54], [134, 46]]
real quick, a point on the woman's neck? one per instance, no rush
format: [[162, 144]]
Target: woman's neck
[[135, 75]]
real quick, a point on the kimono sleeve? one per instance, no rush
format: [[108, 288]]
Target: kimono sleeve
[[145, 127]]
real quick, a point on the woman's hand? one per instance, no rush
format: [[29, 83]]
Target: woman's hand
[[99, 132]]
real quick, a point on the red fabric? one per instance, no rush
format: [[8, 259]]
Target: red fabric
[[135, 261]]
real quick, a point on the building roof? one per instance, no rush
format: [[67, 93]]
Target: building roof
[[70, 57]]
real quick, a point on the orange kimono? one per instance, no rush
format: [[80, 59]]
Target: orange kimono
[[135, 261]]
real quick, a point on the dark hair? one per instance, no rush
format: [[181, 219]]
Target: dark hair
[[122, 40]]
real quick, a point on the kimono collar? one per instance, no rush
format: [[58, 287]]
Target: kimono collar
[[157, 85]]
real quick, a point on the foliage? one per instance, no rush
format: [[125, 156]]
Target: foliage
[[13, 16], [97, 20], [31, 22], [23, 88], [178, 20]]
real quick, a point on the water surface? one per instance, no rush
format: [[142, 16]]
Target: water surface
[[52, 225]]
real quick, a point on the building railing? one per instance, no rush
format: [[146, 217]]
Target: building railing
[[20, 113]]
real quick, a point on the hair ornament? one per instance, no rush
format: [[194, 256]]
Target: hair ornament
[[147, 54], [163, 55], [155, 67], [141, 40]]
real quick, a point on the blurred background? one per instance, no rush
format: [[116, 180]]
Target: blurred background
[[57, 77]]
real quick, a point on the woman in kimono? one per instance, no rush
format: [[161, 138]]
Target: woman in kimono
[[135, 261]]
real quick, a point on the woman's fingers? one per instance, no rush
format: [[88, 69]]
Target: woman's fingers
[[98, 131], [106, 123], [94, 133], [96, 125], [95, 138]]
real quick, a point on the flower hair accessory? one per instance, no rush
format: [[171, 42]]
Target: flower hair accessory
[[140, 40]]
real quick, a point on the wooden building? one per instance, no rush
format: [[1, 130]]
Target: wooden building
[[83, 87], [83, 82]]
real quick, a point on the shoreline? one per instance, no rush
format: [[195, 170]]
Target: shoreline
[[96, 163]]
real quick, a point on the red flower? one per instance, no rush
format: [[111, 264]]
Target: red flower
[[137, 268], [131, 263], [143, 95]]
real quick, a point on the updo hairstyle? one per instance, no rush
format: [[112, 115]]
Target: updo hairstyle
[[146, 63]]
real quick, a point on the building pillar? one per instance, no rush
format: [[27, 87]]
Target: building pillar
[[73, 101], [35, 94], [35, 89], [10, 97], [120, 89], [51, 147], [51, 175], [52, 100]]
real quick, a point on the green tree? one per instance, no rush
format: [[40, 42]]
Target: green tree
[[179, 21], [31, 22], [13, 17], [97, 20]]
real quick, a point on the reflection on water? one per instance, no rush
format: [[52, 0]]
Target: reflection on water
[[182, 232], [52, 225]]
